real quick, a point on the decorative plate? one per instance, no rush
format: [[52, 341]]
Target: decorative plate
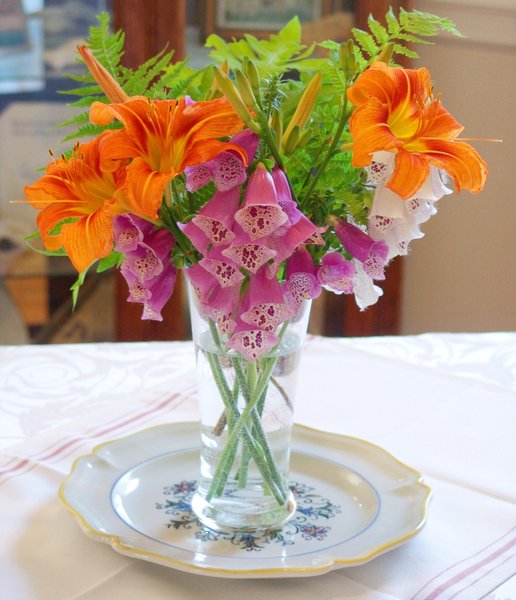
[[355, 501]]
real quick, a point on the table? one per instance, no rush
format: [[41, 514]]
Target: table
[[444, 404]]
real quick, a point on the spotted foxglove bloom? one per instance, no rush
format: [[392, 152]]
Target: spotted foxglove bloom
[[301, 279], [372, 254], [297, 229], [397, 221], [252, 343], [227, 169], [365, 291], [261, 214], [214, 222], [264, 304], [147, 268], [336, 273]]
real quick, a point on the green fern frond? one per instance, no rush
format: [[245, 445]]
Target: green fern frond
[[393, 26], [107, 47], [366, 42], [378, 30], [410, 27], [404, 51], [138, 82], [88, 130]]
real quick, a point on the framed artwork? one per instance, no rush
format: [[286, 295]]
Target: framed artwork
[[230, 18]]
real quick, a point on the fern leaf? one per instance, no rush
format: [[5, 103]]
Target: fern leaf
[[365, 41], [78, 119], [87, 130], [393, 26], [360, 58], [378, 30], [399, 49], [407, 37]]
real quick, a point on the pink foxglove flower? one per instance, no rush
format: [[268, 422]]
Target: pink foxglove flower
[[252, 343], [261, 214], [147, 268], [250, 256], [336, 273], [213, 224], [222, 268], [264, 304], [226, 169], [372, 254], [301, 281], [297, 229]]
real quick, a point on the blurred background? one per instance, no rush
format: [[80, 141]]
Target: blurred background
[[460, 277]]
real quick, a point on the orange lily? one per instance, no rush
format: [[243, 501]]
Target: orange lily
[[395, 111], [163, 137], [76, 189]]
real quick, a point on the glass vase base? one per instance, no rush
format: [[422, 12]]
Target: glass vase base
[[226, 515]]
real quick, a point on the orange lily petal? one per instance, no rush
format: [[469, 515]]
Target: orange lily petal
[[370, 132], [410, 172], [437, 122], [89, 238], [145, 188], [116, 147], [461, 161]]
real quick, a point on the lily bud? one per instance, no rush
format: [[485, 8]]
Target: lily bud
[[347, 59], [289, 142], [347, 147], [244, 87], [277, 125], [253, 76], [235, 99], [215, 91], [109, 85], [386, 54], [305, 106]]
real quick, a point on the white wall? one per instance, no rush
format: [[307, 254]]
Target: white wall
[[462, 275]]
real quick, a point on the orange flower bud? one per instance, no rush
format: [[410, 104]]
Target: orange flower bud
[[109, 85]]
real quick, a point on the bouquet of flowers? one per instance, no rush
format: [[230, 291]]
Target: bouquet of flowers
[[270, 174]]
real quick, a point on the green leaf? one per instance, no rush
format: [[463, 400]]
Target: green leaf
[[77, 286], [112, 260], [398, 49], [407, 37], [378, 30], [365, 41], [291, 32], [392, 23]]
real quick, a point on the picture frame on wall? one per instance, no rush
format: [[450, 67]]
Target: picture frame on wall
[[233, 18]]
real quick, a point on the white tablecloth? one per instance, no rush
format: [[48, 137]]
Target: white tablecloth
[[444, 404]]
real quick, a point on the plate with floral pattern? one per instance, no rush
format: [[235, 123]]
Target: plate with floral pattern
[[355, 501]]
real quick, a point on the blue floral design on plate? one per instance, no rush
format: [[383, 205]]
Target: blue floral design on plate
[[312, 511]]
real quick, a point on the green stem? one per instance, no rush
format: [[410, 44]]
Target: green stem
[[258, 448], [228, 455], [270, 141], [336, 141]]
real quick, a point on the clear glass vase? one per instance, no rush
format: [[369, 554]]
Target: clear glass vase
[[246, 412]]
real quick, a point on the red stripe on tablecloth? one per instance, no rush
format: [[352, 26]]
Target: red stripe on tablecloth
[[90, 435], [463, 574], [482, 577]]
